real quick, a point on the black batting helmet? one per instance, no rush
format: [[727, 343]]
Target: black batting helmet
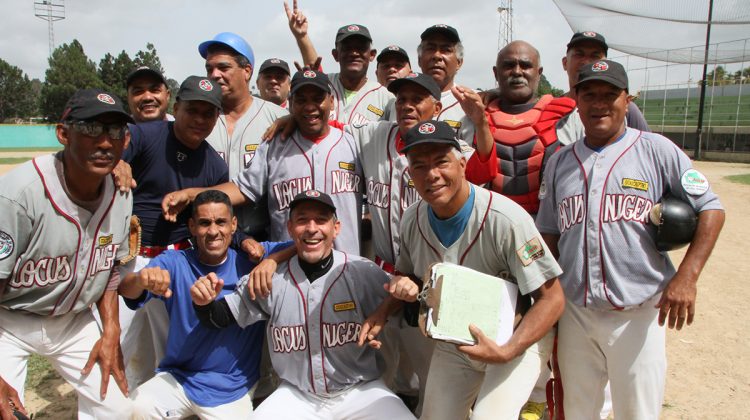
[[675, 221]]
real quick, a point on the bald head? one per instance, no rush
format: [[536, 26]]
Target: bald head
[[517, 71]]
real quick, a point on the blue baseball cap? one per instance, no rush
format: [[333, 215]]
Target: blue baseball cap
[[231, 40]]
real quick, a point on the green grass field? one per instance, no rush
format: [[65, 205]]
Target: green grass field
[[740, 179], [722, 112], [13, 160]]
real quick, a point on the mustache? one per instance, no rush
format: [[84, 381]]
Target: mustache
[[514, 80], [100, 154]]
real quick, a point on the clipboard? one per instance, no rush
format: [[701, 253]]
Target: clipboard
[[454, 296]]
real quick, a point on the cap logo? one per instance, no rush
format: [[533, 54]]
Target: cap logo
[[600, 66], [441, 25], [275, 60], [589, 34], [353, 28], [312, 193], [309, 74], [103, 97], [205, 85], [394, 48], [426, 128]]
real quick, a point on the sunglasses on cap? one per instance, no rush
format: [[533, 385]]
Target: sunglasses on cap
[[95, 129]]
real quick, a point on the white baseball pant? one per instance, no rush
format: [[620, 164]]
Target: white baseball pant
[[66, 341], [162, 397], [368, 401], [628, 347], [500, 390]]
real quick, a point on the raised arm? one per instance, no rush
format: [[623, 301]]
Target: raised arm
[[298, 26]]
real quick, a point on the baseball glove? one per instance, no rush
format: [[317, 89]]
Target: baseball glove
[[134, 240]]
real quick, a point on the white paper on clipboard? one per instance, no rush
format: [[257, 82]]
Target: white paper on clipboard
[[466, 297]]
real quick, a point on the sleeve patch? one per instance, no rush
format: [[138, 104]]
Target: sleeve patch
[[6, 245], [530, 251], [694, 182]]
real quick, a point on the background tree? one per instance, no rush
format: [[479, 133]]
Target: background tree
[[148, 58], [113, 71], [69, 70], [17, 96], [545, 87]]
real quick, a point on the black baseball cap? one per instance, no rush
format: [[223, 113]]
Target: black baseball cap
[[590, 36], [430, 132], [272, 63], [145, 71], [443, 29], [351, 30], [608, 71], [306, 77], [312, 195], [198, 88], [87, 104], [394, 50], [420, 79]]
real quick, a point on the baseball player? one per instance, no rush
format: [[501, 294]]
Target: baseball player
[[585, 48], [471, 226], [357, 100], [205, 372], [243, 119], [274, 81], [148, 95], [316, 156], [63, 232], [595, 205], [392, 63], [167, 156], [315, 311]]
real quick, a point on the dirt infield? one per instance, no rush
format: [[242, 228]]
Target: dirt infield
[[709, 363]]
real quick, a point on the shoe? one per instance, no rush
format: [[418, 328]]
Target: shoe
[[532, 411]]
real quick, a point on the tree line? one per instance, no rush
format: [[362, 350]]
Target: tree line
[[69, 69], [721, 77]]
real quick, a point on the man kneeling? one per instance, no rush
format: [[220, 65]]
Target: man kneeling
[[205, 372], [318, 302]]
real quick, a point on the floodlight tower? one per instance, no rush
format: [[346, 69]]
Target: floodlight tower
[[505, 30], [51, 11]]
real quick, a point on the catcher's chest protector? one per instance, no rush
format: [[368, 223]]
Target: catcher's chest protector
[[524, 142]]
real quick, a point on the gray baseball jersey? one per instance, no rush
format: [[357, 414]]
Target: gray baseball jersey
[[388, 185], [283, 169], [313, 327], [56, 256], [599, 204], [239, 150], [370, 103], [500, 240]]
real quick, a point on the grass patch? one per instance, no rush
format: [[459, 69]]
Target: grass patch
[[740, 179], [13, 160], [38, 370]]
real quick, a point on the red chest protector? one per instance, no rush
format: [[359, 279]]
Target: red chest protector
[[524, 142]]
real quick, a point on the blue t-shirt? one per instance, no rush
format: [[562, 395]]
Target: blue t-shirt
[[161, 165], [450, 229], [214, 367]]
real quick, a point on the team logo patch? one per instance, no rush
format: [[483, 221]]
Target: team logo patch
[[393, 48], [375, 110], [309, 74], [530, 251], [353, 28], [694, 182], [600, 66], [181, 156], [589, 34], [275, 61], [635, 184], [6, 245], [426, 128], [250, 147], [312, 193], [344, 306], [103, 97], [105, 240], [440, 25], [206, 85], [348, 166]]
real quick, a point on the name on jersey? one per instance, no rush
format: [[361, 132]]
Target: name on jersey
[[341, 333], [291, 338], [626, 207], [285, 191], [379, 194], [51, 270], [358, 120], [571, 211], [345, 182], [635, 184]]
